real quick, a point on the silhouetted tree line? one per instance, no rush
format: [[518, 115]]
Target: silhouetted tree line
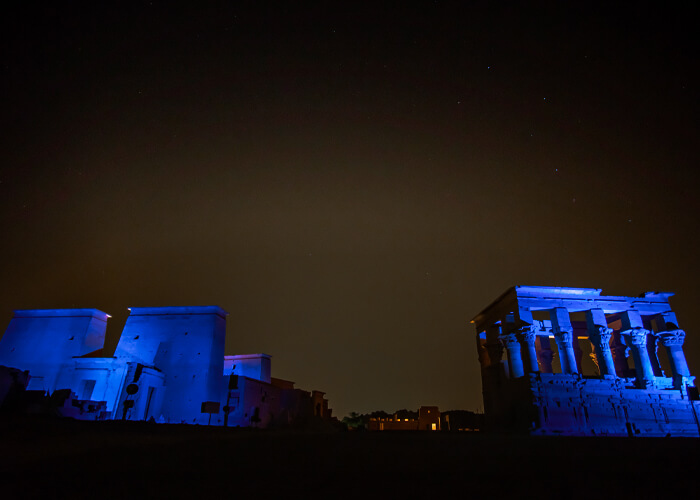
[[451, 420], [359, 421]]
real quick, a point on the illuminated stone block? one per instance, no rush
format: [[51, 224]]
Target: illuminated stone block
[[43, 340], [186, 344], [96, 379], [254, 366]]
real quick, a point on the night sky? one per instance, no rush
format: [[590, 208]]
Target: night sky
[[352, 184]]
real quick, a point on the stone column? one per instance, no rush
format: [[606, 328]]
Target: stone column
[[493, 371], [567, 358], [526, 336], [673, 340], [652, 351], [600, 338], [515, 361], [545, 354], [600, 334], [494, 348], [619, 352], [636, 337], [483, 354], [564, 336], [495, 353]]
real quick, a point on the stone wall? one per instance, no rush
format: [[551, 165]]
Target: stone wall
[[573, 405]]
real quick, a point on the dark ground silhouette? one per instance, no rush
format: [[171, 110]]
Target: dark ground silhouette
[[65, 458]]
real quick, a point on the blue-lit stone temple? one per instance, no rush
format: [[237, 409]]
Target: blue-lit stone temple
[[169, 367], [570, 361]]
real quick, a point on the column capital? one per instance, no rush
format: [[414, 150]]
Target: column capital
[[528, 333], [509, 340], [563, 334], [637, 336], [601, 333], [672, 337]]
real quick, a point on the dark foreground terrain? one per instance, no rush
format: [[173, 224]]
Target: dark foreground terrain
[[59, 459]]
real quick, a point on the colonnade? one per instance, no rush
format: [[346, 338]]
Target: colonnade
[[519, 343]]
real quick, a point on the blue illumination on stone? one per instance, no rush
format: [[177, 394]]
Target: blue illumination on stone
[[522, 392], [169, 361], [41, 340]]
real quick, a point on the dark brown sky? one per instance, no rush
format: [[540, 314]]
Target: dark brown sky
[[352, 184]]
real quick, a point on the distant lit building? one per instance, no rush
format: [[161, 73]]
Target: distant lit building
[[428, 420], [169, 366]]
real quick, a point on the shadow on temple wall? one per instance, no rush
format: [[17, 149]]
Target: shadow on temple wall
[[16, 400]]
